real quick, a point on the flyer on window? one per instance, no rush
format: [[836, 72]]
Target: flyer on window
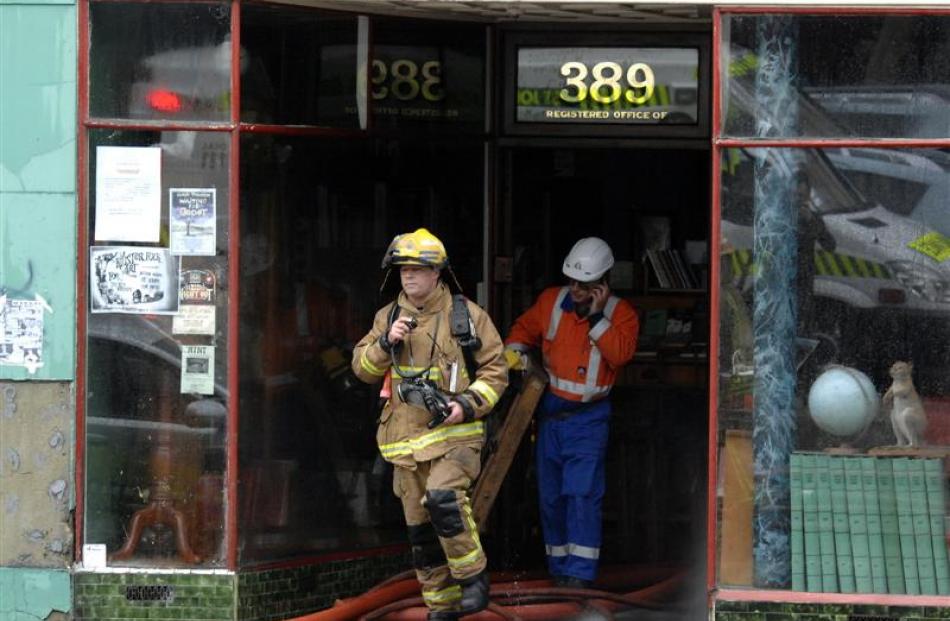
[[21, 333], [196, 313], [191, 216], [128, 193], [197, 369], [133, 279]]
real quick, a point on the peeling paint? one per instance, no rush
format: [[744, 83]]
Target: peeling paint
[[57, 490], [34, 594]]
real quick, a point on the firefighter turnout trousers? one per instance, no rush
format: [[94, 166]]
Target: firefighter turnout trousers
[[571, 451], [442, 532]]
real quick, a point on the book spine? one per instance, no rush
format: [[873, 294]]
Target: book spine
[[889, 532], [872, 516], [810, 523], [857, 522], [923, 542], [657, 269], [905, 526], [797, 523], [936, 506], [839, 517], [826, 534]]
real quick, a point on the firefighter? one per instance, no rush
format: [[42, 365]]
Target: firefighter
[[585, 335], [435, 374]]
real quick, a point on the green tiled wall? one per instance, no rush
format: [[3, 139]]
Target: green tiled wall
[[276, 594], [204, 597], [762, 611], [266, 595]]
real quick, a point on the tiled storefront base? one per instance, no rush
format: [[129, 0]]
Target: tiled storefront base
[[772, 611], [266, 595], [276, 594]]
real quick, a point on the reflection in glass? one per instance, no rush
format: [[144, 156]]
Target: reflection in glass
[[868, 76], [155, 450], [298, 67], [317, 217], [438, 82], [160, 61], [872, 290]]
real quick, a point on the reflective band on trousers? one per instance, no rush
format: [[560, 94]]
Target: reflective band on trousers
[[443, 596], [452, 432], [589, 389], [572, 549]]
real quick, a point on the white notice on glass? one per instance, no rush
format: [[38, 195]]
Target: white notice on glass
[[197, 369], [128, 193]]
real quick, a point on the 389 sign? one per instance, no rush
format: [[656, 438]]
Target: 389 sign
[[406, 80], [610, 81], [607, 85]]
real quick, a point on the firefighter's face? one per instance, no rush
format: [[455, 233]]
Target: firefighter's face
[[418, 281]]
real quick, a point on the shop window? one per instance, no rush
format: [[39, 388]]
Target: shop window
[[834, 298], [870, 76], [156, 367], [160, 61], [299, 67], [316, 219]]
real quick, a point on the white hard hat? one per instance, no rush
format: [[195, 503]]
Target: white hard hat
[[588, 260]]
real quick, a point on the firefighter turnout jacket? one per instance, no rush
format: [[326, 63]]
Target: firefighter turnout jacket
[[403, 435], [581, 355]]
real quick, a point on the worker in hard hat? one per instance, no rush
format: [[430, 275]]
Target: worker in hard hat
[[446, 376], [585, 336]]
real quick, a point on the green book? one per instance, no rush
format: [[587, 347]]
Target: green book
[[797, 522], [810, 522], [936, 508], [839, 519], [920, 517], [872, 516], [889, 532], [857, 522], [905, 526], [826, 534]]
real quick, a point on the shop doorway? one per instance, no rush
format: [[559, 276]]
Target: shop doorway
[[637, 198]]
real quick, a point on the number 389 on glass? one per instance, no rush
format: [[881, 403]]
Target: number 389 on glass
[[606, 86]]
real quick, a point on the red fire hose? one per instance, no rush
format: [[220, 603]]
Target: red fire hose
[[515, 597]]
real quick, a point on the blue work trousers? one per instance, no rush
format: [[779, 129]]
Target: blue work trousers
[[572, 445]]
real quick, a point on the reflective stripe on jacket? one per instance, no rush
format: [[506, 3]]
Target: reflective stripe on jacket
[[403, 436], [581, 360]]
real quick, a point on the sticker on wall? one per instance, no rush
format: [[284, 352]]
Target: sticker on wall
[[191, 213], [196, 312], [128, 193], [133, 279], [21, 333], [197, 369]]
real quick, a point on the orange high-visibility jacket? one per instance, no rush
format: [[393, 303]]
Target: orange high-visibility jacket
[[581, 359]]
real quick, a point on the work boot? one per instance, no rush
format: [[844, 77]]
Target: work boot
[[442, 615], [474, 594], [570, 582]]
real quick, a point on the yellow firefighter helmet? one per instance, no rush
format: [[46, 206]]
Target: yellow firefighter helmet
[[417, 248]]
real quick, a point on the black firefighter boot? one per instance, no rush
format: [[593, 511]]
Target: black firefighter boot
[[474, 594], [442, 615]]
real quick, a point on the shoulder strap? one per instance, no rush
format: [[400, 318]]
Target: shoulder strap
[[463, 329]]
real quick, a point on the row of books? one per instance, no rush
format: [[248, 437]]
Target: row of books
[[671, 269], [868, 525]]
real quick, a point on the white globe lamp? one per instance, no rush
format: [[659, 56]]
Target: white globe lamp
[[843, 401]]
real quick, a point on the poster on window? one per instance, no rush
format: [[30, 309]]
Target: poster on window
[[21, 333], [191, 214], [128, 193], [133, 279], [196, 311], [197, 369]]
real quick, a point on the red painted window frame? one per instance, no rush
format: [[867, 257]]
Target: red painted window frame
[[235, 128], [719, 143]]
